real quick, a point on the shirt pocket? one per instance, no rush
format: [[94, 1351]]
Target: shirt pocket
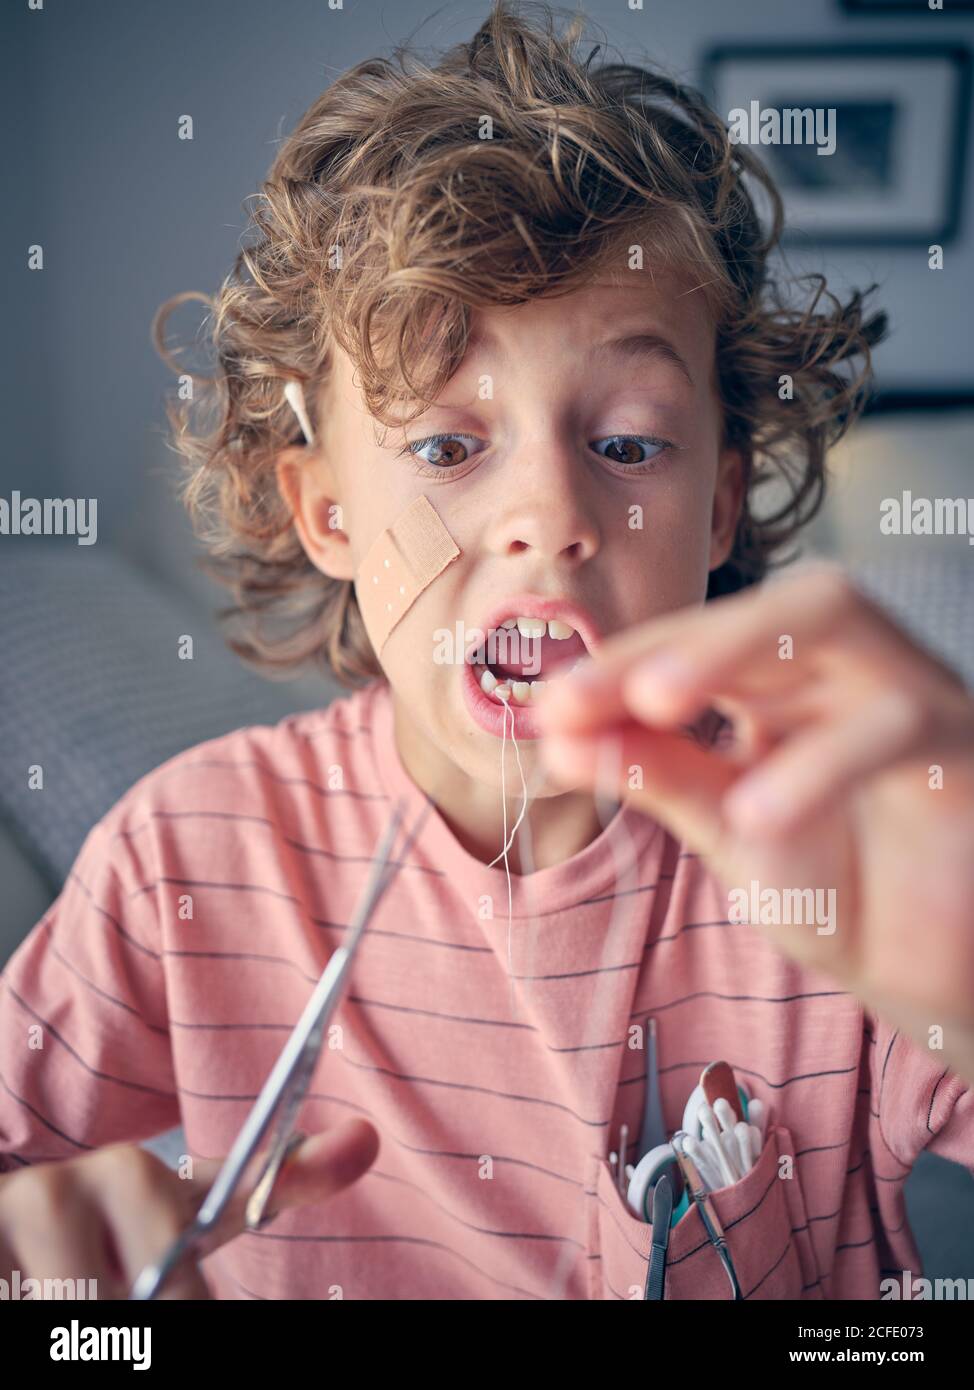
[[764, 1222]]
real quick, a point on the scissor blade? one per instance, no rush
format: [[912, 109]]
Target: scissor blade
[[293, 1069], [289, 1078]]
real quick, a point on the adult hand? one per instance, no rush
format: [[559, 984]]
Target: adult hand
[[852, 770]]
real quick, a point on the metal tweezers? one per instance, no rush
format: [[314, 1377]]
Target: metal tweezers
[[283, 1092]]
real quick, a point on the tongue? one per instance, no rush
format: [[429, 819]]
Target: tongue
[[552, 652]]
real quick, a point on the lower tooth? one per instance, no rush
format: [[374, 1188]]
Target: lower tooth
[[522, 691]]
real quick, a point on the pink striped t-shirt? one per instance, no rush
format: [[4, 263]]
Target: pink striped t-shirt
[[202, 908]]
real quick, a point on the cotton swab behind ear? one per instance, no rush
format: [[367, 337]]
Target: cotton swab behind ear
[[294, 396]]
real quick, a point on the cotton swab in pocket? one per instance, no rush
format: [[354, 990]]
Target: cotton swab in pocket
[[697, 1098], [742, 1135], [735, 1136], [707, 1168], [739, 1158], [711, 1132], [724, 1115], [728, 1143], [757, 1115]]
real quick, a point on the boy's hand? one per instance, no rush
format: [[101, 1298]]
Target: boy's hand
[[853, 771], [107, 1215]]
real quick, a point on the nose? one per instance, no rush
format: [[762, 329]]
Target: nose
[[542, 500]]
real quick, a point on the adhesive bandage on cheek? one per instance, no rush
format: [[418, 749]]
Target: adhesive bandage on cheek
[[401, 562]]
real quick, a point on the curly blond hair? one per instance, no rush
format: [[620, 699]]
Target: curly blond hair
[[386, 217]]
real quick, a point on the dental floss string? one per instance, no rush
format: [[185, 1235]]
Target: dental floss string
[[606, 807], [509, 842], [524, 786]]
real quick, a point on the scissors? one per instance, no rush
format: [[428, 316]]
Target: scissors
[[282, 1095]]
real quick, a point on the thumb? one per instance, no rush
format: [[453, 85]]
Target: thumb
[[321, 1166], [668, 776]]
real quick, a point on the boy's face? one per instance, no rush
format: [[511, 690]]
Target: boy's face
[[539, 492]]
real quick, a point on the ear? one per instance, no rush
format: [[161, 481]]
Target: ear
[[306, 484], [728, 501]]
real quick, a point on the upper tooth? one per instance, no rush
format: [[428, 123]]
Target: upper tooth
[[537, 627]]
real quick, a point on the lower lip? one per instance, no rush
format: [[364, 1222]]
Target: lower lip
[[489, 714]]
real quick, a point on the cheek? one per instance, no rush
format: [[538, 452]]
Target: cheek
[[368, 512], [407, 657], [665, 548], [422, 657]]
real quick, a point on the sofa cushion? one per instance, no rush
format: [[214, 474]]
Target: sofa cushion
[[93, 691]]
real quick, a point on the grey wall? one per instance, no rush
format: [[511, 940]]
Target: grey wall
[[129, 214]]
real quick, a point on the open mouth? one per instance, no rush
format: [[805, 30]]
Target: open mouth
[[520, 655]]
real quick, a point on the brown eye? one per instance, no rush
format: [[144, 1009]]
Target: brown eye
[[447, 452], [443, 451], [630, 449]]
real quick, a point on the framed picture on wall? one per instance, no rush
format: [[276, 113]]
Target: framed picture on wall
[[866, 142]]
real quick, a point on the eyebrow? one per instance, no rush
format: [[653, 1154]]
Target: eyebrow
[[637, 347]]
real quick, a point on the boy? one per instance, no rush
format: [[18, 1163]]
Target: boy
[[527, 301]]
